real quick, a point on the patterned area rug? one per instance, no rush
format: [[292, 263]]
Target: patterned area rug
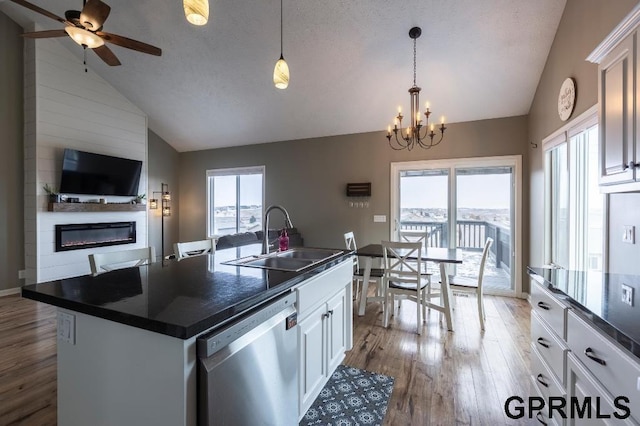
[[351, 397]]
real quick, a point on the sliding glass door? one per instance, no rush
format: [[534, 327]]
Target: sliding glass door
[[459, 204]]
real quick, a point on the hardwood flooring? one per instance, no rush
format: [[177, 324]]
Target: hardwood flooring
[[441, 377], [448, 378], [27, 362]]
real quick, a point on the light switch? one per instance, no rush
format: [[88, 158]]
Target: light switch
[[66, 327], [379, 218], [628, 234], [627, 295]]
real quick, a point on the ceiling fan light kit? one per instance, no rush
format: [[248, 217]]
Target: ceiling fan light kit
[[84, 37], [281, 70], [412, 136], [196, 11], [85, 28]]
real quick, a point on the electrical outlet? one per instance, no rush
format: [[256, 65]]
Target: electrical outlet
[[22, 274], [627, 295], [66, 327], [628, 234]]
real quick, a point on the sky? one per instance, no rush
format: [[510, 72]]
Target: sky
[[431, 191]]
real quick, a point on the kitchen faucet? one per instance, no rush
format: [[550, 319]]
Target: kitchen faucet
[[265, 223]]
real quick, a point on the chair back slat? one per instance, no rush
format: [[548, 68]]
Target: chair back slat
[[194, 248], [485, 255], [399, 260], [103, 262], [350, 243]]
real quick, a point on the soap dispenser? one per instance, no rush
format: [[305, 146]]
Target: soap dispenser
[[283, 240]]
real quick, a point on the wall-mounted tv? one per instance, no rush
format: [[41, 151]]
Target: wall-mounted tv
[[97, 174]]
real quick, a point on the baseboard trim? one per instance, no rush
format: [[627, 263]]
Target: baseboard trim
[[10, 292]]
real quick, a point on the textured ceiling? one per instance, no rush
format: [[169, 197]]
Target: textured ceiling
[[351, 63]]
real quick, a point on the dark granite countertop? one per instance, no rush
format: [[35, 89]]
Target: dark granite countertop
[[598, 297], [179, 299]]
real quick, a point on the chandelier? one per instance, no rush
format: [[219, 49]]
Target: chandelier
[[413, 135]]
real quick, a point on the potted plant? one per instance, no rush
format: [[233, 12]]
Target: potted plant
[[54, 197], [139, 199]]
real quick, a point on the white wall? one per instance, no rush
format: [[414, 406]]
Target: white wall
[[66, 107]]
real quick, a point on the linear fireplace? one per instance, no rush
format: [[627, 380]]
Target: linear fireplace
[[88, 235]]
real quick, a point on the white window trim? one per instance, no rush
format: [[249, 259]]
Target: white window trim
[[514, 161], [250, 170], [563, 135]]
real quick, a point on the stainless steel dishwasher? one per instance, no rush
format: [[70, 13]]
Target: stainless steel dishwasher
[[248, 372]]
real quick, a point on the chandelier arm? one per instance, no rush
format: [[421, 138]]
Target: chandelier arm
[[403, 145]]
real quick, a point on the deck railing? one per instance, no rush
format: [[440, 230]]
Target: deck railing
[[470, 235]]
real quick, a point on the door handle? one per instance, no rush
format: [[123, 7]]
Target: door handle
[[539, 378], [589, 354], [540, 419], [544, 306], [542, 343]]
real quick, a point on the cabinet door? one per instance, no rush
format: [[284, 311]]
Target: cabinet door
[[313, 370], [616, 99], [336, 330]]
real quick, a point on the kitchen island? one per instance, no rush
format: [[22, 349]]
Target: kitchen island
[[127, 338]]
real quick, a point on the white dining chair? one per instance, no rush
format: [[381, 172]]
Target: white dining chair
[[358, 272], [402, 276], [194, 248], [104, 262], [414, 236], [459, 284]]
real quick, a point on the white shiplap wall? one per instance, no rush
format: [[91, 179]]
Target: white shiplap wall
[[66, 107]]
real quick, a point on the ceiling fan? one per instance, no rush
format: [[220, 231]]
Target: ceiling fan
[[85, 26]]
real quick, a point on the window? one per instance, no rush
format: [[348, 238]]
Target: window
[[235, 200], [575, 207]]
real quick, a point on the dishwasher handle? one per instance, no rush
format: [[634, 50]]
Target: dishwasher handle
[[246, 328]]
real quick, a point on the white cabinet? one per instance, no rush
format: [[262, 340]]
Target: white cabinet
[[597, 358], [597, 405], [619, 99], [548, 349], [324, 329]]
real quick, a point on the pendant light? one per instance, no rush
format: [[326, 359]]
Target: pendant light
[[281, 71], [196, 11]]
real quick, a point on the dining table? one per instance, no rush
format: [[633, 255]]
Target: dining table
[[442, 256]]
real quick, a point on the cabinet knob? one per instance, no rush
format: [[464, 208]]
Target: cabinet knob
[[633, 165], [590, 354]]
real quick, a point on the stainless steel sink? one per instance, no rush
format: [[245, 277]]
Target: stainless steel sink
[[293, 260]]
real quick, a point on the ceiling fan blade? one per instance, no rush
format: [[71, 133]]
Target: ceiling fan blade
[[130, 44], [93, 14], [45, 34], [40, 10], [106, 55]]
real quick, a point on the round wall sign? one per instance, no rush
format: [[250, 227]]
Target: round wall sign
[[566, 99]]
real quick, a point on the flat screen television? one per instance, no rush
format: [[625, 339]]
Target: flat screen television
[[97, 174]]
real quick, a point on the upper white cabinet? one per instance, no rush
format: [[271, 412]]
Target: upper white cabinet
[[619, 106]]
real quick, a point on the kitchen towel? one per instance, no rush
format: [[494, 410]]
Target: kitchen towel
[[351, 397]]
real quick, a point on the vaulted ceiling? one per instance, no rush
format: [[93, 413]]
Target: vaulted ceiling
[[351, 63]]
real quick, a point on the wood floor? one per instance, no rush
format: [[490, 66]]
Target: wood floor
[[27, 362], [441, 378], [448, 378]]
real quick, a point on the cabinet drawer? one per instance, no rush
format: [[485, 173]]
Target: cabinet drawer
[[541, 417], [550, 309], [318, 289], [552, 349], [583, 387], [543, 377], [617, 371]]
